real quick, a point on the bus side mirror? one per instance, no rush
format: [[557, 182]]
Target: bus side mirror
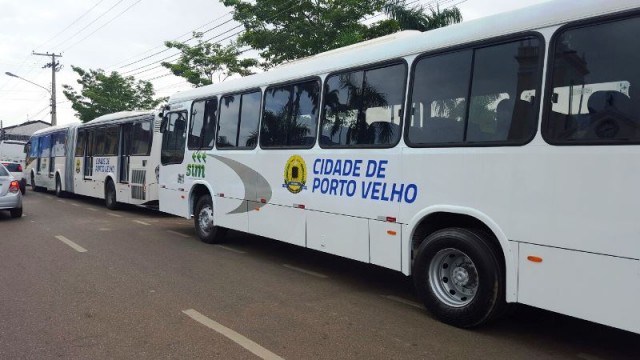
[[163, 124]]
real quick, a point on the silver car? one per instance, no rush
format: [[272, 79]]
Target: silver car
[[10, 195]]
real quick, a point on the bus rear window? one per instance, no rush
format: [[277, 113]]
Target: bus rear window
[[595, 90]]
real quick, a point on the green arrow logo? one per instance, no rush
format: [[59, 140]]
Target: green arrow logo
[[193, 156]]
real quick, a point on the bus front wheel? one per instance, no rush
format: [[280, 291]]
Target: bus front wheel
[[34, 187], [203, 220], [459, 277]]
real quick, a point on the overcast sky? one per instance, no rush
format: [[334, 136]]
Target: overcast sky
[[116, 35]]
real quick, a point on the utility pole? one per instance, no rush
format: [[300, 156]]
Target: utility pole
[[55, 67]]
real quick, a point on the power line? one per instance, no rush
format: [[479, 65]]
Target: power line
[[177, 54], [204, 42], [89, 24], [167, 49], [103, 25], [175, 39], [70, 25]]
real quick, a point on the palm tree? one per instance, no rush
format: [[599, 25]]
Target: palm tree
[[416, 18]]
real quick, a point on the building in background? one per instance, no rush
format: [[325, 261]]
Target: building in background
[[22, 131]]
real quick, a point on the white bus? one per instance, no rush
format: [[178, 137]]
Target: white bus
[[492, 160], [115, 158], [49, 158], [111, 157]]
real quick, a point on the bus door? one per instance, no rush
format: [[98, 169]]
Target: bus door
[[126, 131], [88, 156], [172, 157], [44, 154], [55, 139]]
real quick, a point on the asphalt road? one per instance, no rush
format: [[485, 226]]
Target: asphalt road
[[78, 281]]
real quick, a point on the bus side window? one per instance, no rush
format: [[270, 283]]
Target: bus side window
[[290, 115], [596, 85]]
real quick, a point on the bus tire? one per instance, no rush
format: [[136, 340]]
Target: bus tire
[[34, 188], [59, 192], [459, 277], [110, 199], [203, 221]]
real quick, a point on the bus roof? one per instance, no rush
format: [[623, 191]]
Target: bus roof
[[55, 128], [539, 16], [122, 115]]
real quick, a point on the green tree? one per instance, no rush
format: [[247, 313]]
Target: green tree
[[104, 94], [418, 18], [287, 30], [199, 64]]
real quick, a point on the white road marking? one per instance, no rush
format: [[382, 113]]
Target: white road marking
[[141, 222], [178, 233], [114, 215], [73, 245], [62, 201], [232, 335], [308, 272], [92, 209], [403, 301], [231, 249], [74, 204]]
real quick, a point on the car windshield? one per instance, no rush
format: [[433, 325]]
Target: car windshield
[[3, 171], [12, 167]]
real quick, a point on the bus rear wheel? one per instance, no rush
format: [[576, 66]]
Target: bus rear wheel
[[459, 277], [207, 231], [110, 196], [59, 192]]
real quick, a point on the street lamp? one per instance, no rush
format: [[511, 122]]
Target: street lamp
[[53, 104]]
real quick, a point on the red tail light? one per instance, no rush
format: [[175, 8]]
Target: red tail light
[[14, 187]]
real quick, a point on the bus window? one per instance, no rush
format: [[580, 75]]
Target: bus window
[[98, 141], [202, 125], [364, 107], [45, 146], [34, 148], [482, 95], [59, 141], [142, 138], [596, 85], [111, 141], [290, 116], [239, 118], [80, 143], [174, 139]]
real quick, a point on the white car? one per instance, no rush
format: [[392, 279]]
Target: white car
[[17, 171], [10, 196]]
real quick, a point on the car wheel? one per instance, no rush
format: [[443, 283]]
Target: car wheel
[[459, 276], [110, 196], [207, 231], [16, 213]]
